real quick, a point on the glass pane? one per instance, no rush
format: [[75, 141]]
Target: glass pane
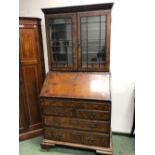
[[93, 31], [92, 58], [84, 31], [61, 21], [60, 34], [69, 59], [103, 19], [93, 39], [60, 58], [95, 19], [83, 19], [84, 58]]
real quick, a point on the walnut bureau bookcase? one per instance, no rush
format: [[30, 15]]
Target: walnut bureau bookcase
[[75, 97]]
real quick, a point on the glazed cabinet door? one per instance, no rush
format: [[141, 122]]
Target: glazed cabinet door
[[61, 39], [94, 40]]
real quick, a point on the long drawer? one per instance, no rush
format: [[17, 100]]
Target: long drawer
[[78, 137], [84, 110], [76, 113], [102, 105], [79, 124]]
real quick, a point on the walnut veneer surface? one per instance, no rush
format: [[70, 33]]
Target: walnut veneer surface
[[76, 110], [77, 85]]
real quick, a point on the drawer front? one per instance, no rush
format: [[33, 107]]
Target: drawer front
[[58, 111], [93, 114], [103, 106], [79, 124], [76, 113], [78, 137]]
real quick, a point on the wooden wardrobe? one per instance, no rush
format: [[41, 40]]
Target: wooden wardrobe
[[31, 77]]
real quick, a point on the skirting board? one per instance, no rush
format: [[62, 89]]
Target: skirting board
[[30, 134]]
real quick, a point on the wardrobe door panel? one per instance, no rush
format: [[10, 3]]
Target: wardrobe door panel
[[30, 75], [28, 44], [23, 116], [23, 121]]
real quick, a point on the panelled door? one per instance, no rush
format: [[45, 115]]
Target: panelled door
[[31, 84]]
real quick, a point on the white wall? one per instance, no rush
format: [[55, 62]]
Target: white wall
[[122, 52]]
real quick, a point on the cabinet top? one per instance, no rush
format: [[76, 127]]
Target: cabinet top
[[29, 20], [105, 6], [81, 85]]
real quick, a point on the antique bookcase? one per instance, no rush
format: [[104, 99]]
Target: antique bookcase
[[75, 97]]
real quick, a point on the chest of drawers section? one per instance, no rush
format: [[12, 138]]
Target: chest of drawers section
[[77, 121]]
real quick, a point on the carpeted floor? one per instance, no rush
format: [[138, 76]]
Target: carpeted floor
[[122, 145]]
